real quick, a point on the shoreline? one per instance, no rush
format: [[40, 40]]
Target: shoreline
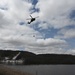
[[5, 70]]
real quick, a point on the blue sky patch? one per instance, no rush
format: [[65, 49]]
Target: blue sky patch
[[21, 23], [72, 15], [3, 8]]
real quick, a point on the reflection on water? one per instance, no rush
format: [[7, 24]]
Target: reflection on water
[[47, 69]]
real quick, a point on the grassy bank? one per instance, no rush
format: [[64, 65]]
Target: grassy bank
[[4, 70]]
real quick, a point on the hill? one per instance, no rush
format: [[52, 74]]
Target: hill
[[11, 54], [31, 58]]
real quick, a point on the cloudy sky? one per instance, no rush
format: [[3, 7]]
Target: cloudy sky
[[52, 32]]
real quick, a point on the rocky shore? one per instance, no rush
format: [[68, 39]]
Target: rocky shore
[[4, 70]]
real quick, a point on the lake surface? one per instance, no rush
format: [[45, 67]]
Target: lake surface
[[46, 69]]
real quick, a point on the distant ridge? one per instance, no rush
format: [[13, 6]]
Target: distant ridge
[[12, 53], [31, 58]]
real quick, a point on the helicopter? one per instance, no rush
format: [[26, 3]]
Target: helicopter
[[32, 19]]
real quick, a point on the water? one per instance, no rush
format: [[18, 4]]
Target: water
[[47, 69]]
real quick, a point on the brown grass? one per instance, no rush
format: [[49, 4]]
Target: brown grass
[[4, 70]]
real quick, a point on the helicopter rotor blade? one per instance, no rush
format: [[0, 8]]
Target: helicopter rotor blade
[[31, 16], [28, 19], [37, 17]]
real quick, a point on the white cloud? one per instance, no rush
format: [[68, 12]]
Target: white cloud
[[66, 33], [18, 39], [3, 22], [15, 36], [49, 45], [50, 42], [56, 12], [70, 51], [17, 9]]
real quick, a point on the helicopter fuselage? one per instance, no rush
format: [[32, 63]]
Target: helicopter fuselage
[[32, 19]]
